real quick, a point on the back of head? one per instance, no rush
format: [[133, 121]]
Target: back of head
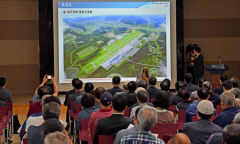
[[207, 85], [200, 82], [147, 117], [165, 85], [179, 84], [203, 93], [56, 138], [89, 87], [132, 86], [98, 91], [106, 98], [152, 81], [119, 102], [142, 83], [235, 82], [50, 126], [161, 100], [179, 138], [197, 48], [88, 100], [237, 118], [116, 80], [51, 99], [184, 93], [227, 98], [78, 84], [44, 90], [223, 77], [74, 81], [188, 77], [231, 134], [236, 92], [205, 109], [2, 81], [142, 96], [51, 110], [227, 84]]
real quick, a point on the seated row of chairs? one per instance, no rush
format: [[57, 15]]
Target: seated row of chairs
[[6, 122]]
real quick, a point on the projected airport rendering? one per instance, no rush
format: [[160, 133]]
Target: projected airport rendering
[[105, 45]]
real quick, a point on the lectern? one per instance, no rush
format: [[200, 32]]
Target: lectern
[[216, 70]]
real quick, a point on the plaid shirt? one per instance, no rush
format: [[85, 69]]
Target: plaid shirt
[[142, 137]]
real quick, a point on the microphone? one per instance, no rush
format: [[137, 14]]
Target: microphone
[[219, 59]]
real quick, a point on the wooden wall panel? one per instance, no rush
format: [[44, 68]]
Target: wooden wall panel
[[19, 10], [19, 52]]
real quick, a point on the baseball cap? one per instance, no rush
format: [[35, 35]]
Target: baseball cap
[[106, 98], [205, 107]]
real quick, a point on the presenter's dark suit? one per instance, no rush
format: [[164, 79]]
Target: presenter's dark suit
[[198, 68], [111, 125]]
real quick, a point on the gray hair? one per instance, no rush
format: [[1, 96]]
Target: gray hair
[[51, 110], [147, 118], [237, 118], [56, 138], [236, 92], [207, 85], [227, 98]]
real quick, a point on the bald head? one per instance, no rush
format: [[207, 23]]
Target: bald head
[[179, 138]]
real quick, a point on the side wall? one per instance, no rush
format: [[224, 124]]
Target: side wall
[[215, 26]]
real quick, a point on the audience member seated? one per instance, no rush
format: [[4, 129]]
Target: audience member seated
[[87, 102], [51, 110], [116, 122], [77, 95], [130, 130], [97, 93], [116, 83], [162, 103], [200, 83], [37, 120], [185, 99], [216, 138], [88, 88], [36, 107], [66, 100], [199, 131], [125, 87], [142, 98], [214, 97], [131, 95], [142, 83], [236, 93], [229, 110], [50, 126], [5, 95], [44, 82], [152, 90], [56, 138], [190, 87], [179, 138], [174, 98], [105, 111], [203, 94], [235, 82], [231, 134], [227, 86], [147, 118], [219, 89]]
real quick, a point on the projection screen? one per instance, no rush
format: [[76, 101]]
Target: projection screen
[[96, 40]]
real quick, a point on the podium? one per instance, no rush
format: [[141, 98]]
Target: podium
[[216, 70]]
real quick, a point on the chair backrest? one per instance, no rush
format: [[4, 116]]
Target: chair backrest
[[166, 137], [83, 133], [218, 109], [71, 104], [164, 129], [172, 108], [77, 108], [25, 141], [105, 139], [181, 115], [127, 111]]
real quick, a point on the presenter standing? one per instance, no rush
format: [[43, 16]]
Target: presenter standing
[[198, 64]]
